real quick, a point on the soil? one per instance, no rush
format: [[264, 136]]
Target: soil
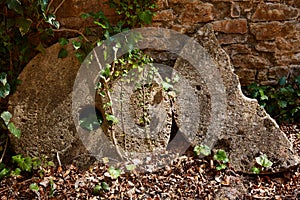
[[189, 177]]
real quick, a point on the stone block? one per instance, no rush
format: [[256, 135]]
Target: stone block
[[250, 61], [231, 38], [235, 10], [274, 12], [278, 72], [271, 30], [231, 26], [235, 49], [195, 13], [246, 76], [164, 15], [266, 46]]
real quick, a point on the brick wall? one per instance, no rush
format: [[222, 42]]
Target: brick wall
[[262, 37]]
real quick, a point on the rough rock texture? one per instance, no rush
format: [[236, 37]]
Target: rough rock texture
[[41, 106], [248, 130]]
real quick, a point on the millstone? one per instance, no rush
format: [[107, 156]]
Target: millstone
[[41, 107], [247, 130]]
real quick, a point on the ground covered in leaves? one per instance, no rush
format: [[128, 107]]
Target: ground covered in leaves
[[189, 177]]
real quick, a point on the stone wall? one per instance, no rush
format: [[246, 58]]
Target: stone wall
[[262, 37]]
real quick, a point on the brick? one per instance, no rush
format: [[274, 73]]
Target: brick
[[287, 58], [274, 12], [250, 61], [278, 72], [231, 38], [164, 15], [235, 49], [231, 26], [262, 75], [266, 46], [269, 31], [195, 13], [246, 76]]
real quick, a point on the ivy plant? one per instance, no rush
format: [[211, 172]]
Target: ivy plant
[[282, 101]]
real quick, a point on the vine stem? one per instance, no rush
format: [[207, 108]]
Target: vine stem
[[113, 135], [56, 9], [5, 147], [71, 30]]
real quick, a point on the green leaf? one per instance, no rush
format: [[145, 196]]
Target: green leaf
[[114, 173], [34, 187], [202, 149], [220, 167], [3, 78], [6, 116], [51, 19], [105, 186], [4, 90], [63, 41], [24, 25], [255, 170], [166, 86], [16, 172], [4, 172], [146, 16], [14, 130], [15, 5], [297, 80], [112, 119], [282, 104], [263, 161], [76, 44], [97, 190], [62, 53], [221, 156], [41, 48], [130, 167], [43, 4], [282, 81]]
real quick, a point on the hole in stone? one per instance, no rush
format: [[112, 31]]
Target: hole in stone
[[61, 137], [198, 87], [88, 120]]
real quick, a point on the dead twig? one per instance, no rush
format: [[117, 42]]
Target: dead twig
[[71, 30], [5, 147]]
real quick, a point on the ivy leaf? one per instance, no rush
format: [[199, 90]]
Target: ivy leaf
[[4, 172], [34, 187], [220, 167], [282, 81], [15, 5], [44, 4], [6, 116], [130, 167], [97, 190], [105, 186], [255, 170], [146, 16], [51, 19], [41, 48], [24, 25], [263, 161], [112, 119], [63, 41], [202, 149], [114, 173], [62, 53], [3, 78], [76, 44], [14, 130], [282, 104], [4, 90], [221, 156]]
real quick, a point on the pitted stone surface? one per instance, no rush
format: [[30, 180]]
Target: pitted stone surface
[[248, 130], [41, 106]]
